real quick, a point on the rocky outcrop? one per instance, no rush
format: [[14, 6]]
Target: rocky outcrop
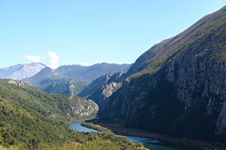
[[108, 89], [102, 88], [17, 83], [82, 108], [178, 86]]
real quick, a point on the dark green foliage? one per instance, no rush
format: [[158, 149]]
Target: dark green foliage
[[62, 86], [109, 141], [25, 121], [29, 117], [91, 125], [94, 141]]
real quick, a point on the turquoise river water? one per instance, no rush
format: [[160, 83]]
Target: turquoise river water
[[148, 143]]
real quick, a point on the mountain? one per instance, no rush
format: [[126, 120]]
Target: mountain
[[177, 87], [33, 120], [71, 79], [103, 87], [42, 75], [30, 118], [89, 73], [62, 86], [21, 71], [51, 82]]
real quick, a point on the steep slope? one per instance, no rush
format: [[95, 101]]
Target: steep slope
[[45, 73], [33, 120], [51, 82], [71, 79], [29, 117], [21, 71], [153, 59], [62, 86], [89, 73], [102, 88], [178, 86]]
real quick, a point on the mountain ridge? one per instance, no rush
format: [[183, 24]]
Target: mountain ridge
[[174, 83], [89, 73], [60, 80], [30, 117], [21, 71], [143, 61]]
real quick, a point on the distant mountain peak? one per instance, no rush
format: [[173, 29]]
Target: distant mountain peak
[[90, 73], [21, 71]]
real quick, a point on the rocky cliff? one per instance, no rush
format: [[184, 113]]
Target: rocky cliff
[[178, 86], [102, 88]]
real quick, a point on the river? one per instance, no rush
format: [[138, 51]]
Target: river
[[148, 143]]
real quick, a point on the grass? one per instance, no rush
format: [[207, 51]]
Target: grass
[[96, 127]]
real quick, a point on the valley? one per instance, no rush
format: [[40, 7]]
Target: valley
[[172, 97], [137, 138], [32, 119], [176, 88]]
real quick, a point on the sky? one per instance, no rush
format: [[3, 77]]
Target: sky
[[63, 32]]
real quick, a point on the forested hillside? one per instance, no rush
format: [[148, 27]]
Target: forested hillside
[[31, 119]]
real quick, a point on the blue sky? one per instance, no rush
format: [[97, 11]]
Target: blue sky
[[59, 32]]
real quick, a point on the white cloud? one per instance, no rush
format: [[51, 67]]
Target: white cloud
[[51, 59], [54, 59], [33, 58]]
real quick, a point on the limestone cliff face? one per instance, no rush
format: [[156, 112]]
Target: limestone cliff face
[[178, 87], [201, 78], [102, 88], [82, 108]]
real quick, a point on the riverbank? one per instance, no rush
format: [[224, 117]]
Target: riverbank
[[118, 140], [176, 142], [95, 127]]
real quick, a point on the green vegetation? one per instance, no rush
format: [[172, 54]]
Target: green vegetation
[[62, 86], [31, 119], [94, 141], [28, 117], [96, 127], [91, 141]]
